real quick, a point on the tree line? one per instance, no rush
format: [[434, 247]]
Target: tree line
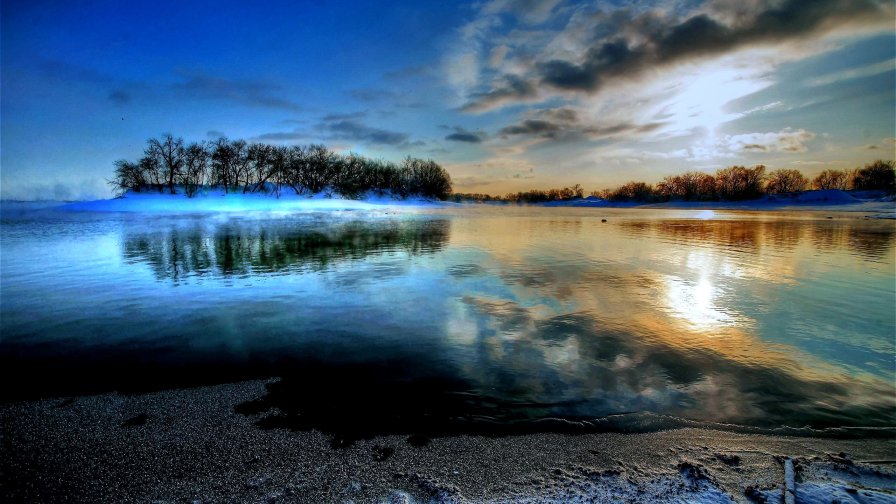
[[729, 184], [239, 166]]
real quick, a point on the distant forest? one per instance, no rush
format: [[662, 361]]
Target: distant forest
[[238, 166], [728, 184]]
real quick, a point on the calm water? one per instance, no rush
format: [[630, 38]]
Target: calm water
[[464, 318]]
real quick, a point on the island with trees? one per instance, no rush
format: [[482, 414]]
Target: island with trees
[[236, 166]]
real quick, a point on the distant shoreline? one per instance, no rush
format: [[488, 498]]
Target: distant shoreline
[[213, 200]]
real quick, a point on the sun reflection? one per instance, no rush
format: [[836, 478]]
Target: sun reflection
[[695, 302]]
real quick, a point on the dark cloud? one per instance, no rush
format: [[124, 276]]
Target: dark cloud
[[215, 134], [533, 127], [464, 135], [119, 97], [563, 115], [351, 116], [284, 136], [244, 92], [355, 131], [343, 127], [513, 88], [645, 41], [68, 73], [564, 123]]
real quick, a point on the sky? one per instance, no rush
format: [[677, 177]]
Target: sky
[[507, 95]]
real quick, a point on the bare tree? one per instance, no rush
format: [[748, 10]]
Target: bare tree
[[318, 168], [260, 157], [228, 163], [195, 171], [879, 175], [832, 179], [128, 175], [170, 153], [785, 181], [738, 182]]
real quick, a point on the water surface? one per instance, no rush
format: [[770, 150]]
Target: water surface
[[469, 318]]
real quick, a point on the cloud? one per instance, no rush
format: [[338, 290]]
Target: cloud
[[283, 136], [626, 44], [343, 128], [474, 176], [215, 134], [68, 73], [854, 73], [240, 91], [803, 162], [351, 116], [497, 55], [534, 127], [463, 135], [564, 123], [527, 11], [511, 89], [355, 131], [786, 140], [119, 97], [763, 108]]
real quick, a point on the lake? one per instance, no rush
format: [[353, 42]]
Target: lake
[[463, 319]]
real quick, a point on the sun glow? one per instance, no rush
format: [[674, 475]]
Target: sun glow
[[695, 302], [698, 302], [703, 96]]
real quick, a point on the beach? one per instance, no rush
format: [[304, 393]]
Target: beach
[[190, 445]]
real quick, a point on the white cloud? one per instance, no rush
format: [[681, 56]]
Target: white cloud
[[786, 140], [855, 73]]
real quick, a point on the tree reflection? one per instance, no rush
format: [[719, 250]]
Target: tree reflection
[[867, 239], [244, 249]]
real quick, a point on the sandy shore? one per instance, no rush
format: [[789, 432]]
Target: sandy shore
[[190, 446]]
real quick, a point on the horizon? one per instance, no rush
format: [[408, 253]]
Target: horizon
[[506, 95]]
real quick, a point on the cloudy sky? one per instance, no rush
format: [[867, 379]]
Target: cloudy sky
[[506, 94]]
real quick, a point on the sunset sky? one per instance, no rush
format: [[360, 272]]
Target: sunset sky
[[506, 94]]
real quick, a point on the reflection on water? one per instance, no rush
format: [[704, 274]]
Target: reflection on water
[[257, 247], [466, 320], [871, 242]]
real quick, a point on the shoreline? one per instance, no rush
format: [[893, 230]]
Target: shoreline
[[190, 444], [216, 201]]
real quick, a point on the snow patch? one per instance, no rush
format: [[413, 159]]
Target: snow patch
[[217, 200]]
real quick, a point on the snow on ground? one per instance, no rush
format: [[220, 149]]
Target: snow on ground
[[217, 200]]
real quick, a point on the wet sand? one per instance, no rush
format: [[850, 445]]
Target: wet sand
[[190, 445]]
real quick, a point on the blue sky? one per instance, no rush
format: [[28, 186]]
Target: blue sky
[[506, 94]]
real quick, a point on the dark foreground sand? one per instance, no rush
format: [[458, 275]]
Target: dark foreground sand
[[190, 446]]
